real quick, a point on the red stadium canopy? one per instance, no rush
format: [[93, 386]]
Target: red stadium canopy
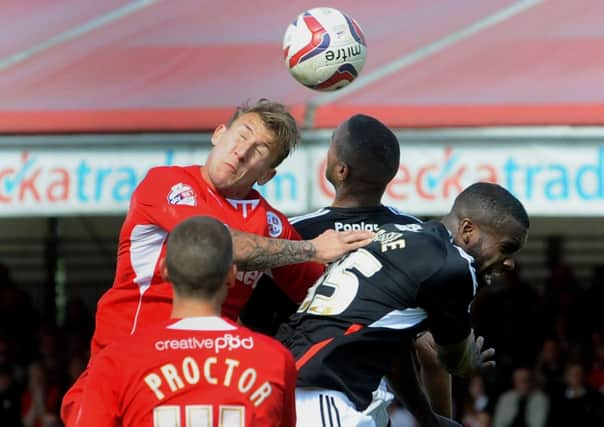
[[152, 65]]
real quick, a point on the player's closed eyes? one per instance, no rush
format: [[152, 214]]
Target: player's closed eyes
[[509, 248], [262, 149]]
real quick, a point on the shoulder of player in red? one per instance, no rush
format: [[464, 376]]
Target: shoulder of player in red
[[205, 326], [176, 185]]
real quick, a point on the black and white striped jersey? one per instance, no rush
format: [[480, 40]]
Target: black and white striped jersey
[[371, 303], [269, 306]]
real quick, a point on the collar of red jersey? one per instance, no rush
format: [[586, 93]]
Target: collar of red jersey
[[206, 323]]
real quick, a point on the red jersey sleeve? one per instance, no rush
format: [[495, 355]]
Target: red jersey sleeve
[[295, 279], [100, 403], [168, 196]]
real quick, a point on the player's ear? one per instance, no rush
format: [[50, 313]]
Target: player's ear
[[468, 231], [220, 129], [342, 171], [163, 269], [267, 176]]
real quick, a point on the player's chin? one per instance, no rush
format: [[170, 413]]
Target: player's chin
[[491, 277], [488, 277], [226, 181], [483, 280]]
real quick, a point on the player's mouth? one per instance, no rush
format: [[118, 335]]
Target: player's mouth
[[230, 167], [493, 273]]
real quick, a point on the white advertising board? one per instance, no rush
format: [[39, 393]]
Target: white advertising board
[[551, 179]]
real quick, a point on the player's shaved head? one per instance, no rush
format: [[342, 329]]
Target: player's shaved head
[[198, 257], [370, 150], [490, 205]]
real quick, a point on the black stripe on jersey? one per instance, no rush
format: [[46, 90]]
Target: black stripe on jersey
[[329, 411], [333, 403], [322, 412], [331, 414]]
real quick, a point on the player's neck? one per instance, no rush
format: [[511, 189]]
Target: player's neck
[[193, 308], [356, 201], [205, 176], [450, 223], [354, 195]]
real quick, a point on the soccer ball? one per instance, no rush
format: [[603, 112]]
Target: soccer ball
[[324, 49]]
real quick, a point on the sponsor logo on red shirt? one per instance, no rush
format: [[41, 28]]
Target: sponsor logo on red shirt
[[182, 194], [226, 342]]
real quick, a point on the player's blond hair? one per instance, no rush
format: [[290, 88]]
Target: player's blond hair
[[277, 119]]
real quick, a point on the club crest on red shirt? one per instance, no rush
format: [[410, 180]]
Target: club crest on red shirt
[[275, 226], [182, 194]]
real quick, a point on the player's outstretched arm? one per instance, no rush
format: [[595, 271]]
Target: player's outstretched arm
[[253, 252], [405, 382], [466, 356], [436, 379]]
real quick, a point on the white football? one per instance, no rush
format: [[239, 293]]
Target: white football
[[324, 49]]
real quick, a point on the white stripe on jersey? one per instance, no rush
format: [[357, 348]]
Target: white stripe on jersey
[[145, 249], [401, 319], [244, 205], [202, 323], [470, 259], [401, 213], [318, 212]]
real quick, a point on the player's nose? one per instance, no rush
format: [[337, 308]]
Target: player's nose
[[242, 150], [509, 263]]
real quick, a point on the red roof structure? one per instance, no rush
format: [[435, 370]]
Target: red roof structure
[[152, 65]]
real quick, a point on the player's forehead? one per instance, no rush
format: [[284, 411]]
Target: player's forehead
[[252, 124], [511, 235]]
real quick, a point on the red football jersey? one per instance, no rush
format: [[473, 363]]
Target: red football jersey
[[165, 197], [201, 371]]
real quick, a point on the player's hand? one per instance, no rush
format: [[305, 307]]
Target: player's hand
[[484, 357], [331, 245]]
